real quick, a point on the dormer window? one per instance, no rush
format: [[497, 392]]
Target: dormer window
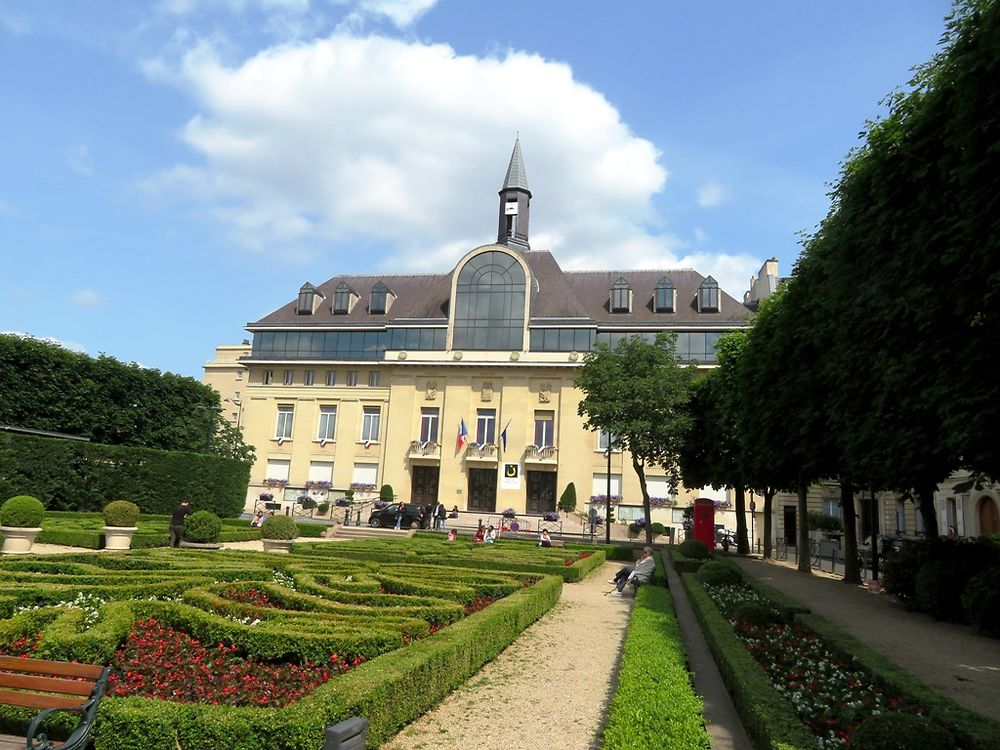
[[342, 299], [663, 300], [708, 296], [309, 296], [378, 302], [621, 296]]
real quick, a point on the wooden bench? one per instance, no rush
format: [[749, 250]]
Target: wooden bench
[[52, 686]]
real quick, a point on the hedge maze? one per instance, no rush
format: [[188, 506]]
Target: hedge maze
[[269, 649]]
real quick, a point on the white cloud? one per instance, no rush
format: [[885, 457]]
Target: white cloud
[[316, 149], [350, 139], [88, 299], [78, 158], [700, 235], [712, 193]]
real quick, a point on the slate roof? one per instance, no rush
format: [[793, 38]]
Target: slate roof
[[517, 178], [557, 297]]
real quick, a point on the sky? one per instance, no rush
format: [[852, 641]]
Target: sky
[[172, 170]]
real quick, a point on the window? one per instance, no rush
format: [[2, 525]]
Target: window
[[620, 296], [544, 429], [900, 517], [600, 485], [327, 423], [267, 377], [289, 377], [321, 471], [373, 378], [371, 422], [486, 425], [429, 425], [603, 437], [352, 377], [277, 468], [377, 301], [309, 378], [708, 296], [342, 299], [331, 377], [659, 487], [239, 374], [365, 474], [489, 303], [283, 427], [307, 296], [831, 507], [663, 302]]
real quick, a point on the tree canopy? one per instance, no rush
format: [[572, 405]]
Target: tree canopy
[[638, 392]]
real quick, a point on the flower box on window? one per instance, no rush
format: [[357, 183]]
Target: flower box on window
[[275, 482], [362, 487], [318, 484]]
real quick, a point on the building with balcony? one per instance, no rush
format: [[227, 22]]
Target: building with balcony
[[459, 386]]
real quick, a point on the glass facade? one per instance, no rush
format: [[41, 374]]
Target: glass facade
[[562, 339], [691, 346], [489, 303], [344, 344]]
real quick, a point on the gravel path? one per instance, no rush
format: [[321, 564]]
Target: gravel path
[[548, 689]]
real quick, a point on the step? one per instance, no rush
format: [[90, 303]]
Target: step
[[367, 532]]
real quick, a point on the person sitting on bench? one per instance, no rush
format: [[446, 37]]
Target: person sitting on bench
[[641, 573]]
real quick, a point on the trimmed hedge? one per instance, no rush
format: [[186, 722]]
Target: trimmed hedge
[[121, 513], [655, 704], [22, 511], [73, 475]]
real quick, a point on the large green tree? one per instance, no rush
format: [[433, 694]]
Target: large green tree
[[638, 392]]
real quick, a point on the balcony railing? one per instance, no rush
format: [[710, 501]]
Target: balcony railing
[[424, 449], [541, 454], [484, 452]]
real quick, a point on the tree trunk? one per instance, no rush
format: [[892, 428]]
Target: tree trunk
[[803, 530], [925, 496], [742, 547], [640, 471], [769, 493], [852, 574]]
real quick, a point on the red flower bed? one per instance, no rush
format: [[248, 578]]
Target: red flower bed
[[25, 646], [481, 602], [159, 662], [256, 597]]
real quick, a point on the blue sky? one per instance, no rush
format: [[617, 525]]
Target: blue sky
[[172, 170]]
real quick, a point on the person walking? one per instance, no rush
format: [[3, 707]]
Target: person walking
[[441, 516], [181, 512]]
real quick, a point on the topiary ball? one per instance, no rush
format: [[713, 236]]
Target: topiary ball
[[753, 613], [279, 527], [121, 513], [718, 573], [203, 527], [22, 511], [899, 731], [694, 549]]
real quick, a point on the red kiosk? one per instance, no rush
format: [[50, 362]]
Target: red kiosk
[[704, 521]]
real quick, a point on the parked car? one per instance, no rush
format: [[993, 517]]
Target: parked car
[[413, 516]]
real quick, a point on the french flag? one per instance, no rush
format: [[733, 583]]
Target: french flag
[[463, 436]]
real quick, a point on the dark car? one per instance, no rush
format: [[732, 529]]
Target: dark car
[[413, 516]]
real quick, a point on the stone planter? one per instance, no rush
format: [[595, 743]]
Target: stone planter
[[119, 537], [201, 545], [17, 540], [278, 545]]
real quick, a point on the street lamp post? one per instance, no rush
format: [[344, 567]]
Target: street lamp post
[[607, 497], [753, 507], [212, 412]]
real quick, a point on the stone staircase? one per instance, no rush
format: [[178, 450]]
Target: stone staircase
[[368, 532]]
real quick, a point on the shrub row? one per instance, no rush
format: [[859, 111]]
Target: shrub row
[[389, 691], [74, 475], [655, 704]]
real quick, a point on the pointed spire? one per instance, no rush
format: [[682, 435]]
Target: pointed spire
[[516, 178]]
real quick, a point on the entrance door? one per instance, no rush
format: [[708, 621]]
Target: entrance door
[[989, 517], [483, 490], [541, 492], [424, 485], [790, 528]]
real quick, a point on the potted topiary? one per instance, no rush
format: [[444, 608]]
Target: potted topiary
[[278, 533], [567, 501], [121, 519], [20, 523], [201, 530]]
